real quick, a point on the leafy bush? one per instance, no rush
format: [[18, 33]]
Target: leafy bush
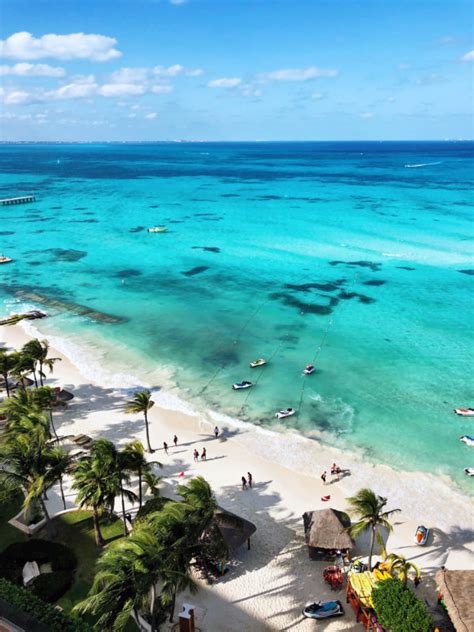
[[51, 586], [151, 506], [55, 620], [398, 609]]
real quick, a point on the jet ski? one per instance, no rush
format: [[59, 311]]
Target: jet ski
[[469, 471], [464, 412], [157, 229], [241, 385], [286, 412], [421, 535], [323, 609], [467, 440], [256, 363], [309, 369]]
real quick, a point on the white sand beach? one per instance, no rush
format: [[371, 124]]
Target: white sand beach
[[268, 585]]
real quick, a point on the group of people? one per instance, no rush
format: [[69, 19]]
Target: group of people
[[165, 445], [335, 471], [247, 482], [203, 455], [196, 453]]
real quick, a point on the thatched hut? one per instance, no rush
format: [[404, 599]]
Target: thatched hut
[[326, 532], [234, 529], [456, 588]]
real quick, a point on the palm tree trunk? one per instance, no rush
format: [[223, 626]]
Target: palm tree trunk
[[150, 449], [62, 491], [125, 530], [173, 604], [41, 373], [153, 609], [34, 377], [52, 423], [7, 388], [51, 531], [99, 540], [372, 542], [140, 495]]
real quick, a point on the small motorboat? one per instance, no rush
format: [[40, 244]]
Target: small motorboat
[[4, 259], [241, 385], [323, 609], [309, 368], [286, 412], [157, 229], [256, 363], [469, 471], [464, 412], [421, 535], [467, 440]]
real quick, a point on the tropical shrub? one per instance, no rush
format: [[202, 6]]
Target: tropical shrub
[[51, 586], [53, 619], [398, 609], [151, 506]]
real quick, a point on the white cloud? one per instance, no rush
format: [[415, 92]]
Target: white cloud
[[170, 71], [317, 96], [151, 115], [225, 82], [121, 89], [194, 72], [468, 56], [162, 89], [367, 115], [129, 75], [94, 47], [79, 88], [300, 74], [16, 97], [32, 70]]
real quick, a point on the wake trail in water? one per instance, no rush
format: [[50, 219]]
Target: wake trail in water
[[423, 164]]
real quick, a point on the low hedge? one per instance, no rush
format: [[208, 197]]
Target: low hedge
[[398, 609], [48, 586], [42, 612]]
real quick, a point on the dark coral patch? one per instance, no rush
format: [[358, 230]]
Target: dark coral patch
[[374, 282], [373, 265], [61, 254], [7, 232], [196, 270], [229, 195], [137, 229], [301, 306], [128, 272], [406, 268], [347, 296], [207, 248], [324, 287], [470, 272]]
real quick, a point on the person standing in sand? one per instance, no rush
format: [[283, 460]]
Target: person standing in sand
[[250, 479], [175, 441], [196, 455], [216, 432], [165, 447], [323, 477], [204, 455], [244, 483]]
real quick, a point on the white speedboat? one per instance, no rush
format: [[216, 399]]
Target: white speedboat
[[309, 368], [256, 363], [241, 385], [157, 229], [4, 259], [286, 412], [464, 412], [469, 471], [467, 440]]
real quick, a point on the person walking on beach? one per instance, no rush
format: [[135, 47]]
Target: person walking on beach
[[203, 455], [244, 483], [323, 477], [250, 479], [216, 432], [175, 441], [196, 455], [165, 447]]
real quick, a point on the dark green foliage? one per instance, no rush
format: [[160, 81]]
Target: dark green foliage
[[42, 612], [398, 609], [151, 506], [51, 586]]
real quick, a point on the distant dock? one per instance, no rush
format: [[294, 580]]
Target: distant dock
[[24, 199]]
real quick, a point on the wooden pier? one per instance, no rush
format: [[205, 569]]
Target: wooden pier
[[24, 199]]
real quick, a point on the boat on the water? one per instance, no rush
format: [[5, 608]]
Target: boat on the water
[[241, 385], [256, 363], [421, 535], [286, 412], [4, 259], [157, 229], [309, 368], [467, 440], [469, 471], [464, 412]]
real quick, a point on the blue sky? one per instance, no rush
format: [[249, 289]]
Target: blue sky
[[85, 70]]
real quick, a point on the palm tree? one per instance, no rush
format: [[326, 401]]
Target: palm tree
[[369, 508], [38, 350], [141, 403], [23, 366], [7, 364], [22, 403], [400, 568], [46, 398], [29, 464], [126, 582], [60, 462], [135, 461]]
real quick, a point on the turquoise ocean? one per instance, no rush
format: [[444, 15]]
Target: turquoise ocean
[[356, 257]]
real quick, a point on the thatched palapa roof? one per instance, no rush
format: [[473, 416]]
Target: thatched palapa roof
[[327, 529], [457, 588], [235, 531]]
